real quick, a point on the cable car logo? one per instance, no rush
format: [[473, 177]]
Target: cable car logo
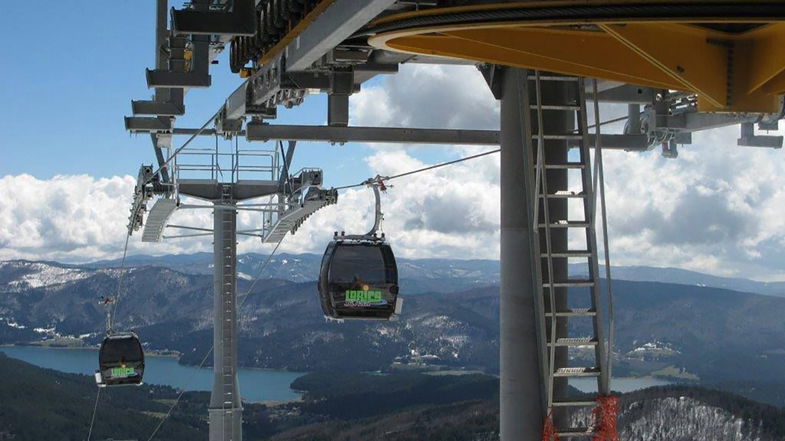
[[122, 372], [364, 296]]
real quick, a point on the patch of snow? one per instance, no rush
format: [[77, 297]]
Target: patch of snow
[[43, 274], [15, 325]]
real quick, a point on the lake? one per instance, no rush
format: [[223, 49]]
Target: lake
[[255, 384], [618, 384]]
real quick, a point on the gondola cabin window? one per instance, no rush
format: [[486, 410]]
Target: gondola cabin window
[[358, 266]]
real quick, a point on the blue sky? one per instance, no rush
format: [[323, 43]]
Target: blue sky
[[67, 88]]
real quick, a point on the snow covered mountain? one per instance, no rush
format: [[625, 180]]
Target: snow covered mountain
[[441, 275]]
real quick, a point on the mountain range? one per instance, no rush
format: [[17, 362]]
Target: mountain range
[[685, 332], [438, 275]]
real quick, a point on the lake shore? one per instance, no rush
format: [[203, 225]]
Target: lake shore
[[147, 353], [256, 385]]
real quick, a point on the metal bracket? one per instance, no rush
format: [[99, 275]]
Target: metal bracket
[[341, 85], [162, 78], [147, 124], [241, 20], [491, 73], [750, 139], [227, 127], [160, 108]]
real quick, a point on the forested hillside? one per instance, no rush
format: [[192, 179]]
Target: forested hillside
[[40, 404]]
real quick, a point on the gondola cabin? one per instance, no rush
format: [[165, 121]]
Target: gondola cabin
[[358, 279], [120, 361]]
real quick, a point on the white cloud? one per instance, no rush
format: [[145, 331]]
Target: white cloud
[[428, 96], [718, 208], [71, 218]]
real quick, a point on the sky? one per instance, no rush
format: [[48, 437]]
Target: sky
[[67, 166]]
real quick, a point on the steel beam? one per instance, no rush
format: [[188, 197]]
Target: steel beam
[[521, 392], [226, 409], [163, 108], [144, 124], [340, 20], [163, 78], [626, 94], [211, 189], [266, 132]]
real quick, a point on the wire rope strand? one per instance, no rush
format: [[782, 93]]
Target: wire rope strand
[[92, 418], [120, 280], [431, 167], [599, 187]]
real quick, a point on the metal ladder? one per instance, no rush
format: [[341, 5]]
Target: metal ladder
[[229, 294], [553, 311]]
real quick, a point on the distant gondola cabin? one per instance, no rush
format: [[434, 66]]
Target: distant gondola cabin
[[120, 361]]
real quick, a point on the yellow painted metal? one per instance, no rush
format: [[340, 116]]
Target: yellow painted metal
[[767, 48], [546, 49], [730, 72], [682, 52]]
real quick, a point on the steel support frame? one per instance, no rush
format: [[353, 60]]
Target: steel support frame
[[225, 410], [340, 20], [521, 393]]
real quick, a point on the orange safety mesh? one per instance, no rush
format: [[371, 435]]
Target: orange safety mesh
[[605, 418], [549, 430]]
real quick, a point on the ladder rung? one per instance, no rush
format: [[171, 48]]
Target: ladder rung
[[560, 136], [564, 194], [574, 341], [575, 403], [554, 78], [577, 372], [574, 432], [572, 253], [574, 312], [557, 107], [562, 165], [571, 283], [567, 224]]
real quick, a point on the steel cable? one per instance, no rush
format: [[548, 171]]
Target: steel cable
[[431, 167], [95, 410]]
